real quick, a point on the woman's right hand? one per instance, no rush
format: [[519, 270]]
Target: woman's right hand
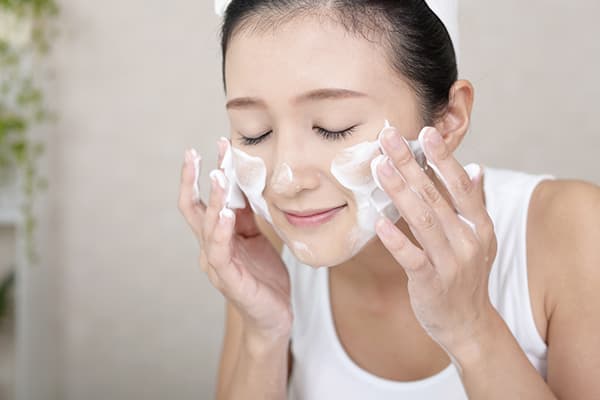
[[238, 259]]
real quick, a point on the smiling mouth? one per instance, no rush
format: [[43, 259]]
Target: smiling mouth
[[311, 218]]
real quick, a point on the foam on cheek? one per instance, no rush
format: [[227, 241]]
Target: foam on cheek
[[248, 175], [355, 169]]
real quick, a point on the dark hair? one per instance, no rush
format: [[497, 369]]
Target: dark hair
[[417, 42]]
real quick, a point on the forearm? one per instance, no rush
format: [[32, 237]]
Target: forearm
[[493, 366], [260, 371]]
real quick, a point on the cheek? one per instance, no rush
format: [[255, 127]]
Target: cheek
[[248, 173]]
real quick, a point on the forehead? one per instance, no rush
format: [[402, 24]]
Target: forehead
[[304, 54]]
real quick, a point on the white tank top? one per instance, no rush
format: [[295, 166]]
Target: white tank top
[[324, 371]]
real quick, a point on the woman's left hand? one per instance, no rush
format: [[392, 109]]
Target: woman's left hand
[[448, 274]]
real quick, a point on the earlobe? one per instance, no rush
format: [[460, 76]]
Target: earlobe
[[455, 123]]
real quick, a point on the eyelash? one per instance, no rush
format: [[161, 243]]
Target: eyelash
[[327, 135]]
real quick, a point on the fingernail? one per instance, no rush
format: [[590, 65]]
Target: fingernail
[[393, 140], [374, 166], [187, 156], [218, 176]]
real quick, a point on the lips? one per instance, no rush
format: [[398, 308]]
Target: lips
[[311, 218]]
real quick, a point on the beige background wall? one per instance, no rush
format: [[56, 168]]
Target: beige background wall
[[136, 82]]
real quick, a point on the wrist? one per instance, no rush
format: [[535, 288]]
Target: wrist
[[260, 344], [476, 346]]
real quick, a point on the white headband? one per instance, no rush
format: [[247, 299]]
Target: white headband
[[446, 10]]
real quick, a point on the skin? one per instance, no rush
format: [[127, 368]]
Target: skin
[[421, 284]]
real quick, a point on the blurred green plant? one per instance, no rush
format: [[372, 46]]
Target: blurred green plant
[[6, 295], [26, 33]]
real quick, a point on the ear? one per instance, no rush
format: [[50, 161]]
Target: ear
[[455, 123]]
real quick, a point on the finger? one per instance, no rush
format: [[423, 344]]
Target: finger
[[189, 204], [219, 247], [414, 261], [425, 223], [216, 201], [419, 182], [467, 200], [245, 223], [222, 145], [210, 271]]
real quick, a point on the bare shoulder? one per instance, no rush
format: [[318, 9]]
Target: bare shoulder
[[563, 236], [565, 214], [564, 227]]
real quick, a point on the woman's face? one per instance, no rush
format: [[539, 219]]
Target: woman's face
[[297, 96]]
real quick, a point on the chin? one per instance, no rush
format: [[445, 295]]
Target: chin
[[319, 256]]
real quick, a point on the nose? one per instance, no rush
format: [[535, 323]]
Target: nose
[[293, 171], [288, 181]]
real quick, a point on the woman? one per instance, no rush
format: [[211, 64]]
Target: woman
[[482, 285]]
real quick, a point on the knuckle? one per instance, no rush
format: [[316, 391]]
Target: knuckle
[[463, 184], [471, 245], [485, 229], [214, 279], [203, 261], [487, 232], [491, 255], [211, 257], [204, 267], [396, 184], [426, 220], [421, 263], [402, 157], [398, 244], [431, 194], [182, 205]]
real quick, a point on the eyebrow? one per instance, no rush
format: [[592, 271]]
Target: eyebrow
[[314, 95]]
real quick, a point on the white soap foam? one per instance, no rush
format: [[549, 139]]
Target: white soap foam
[[226, 213], [282, 178], [247, 175], [218, 176], [372, 201], [356, 169]]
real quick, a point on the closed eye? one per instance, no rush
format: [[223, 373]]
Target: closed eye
[[326, 134]]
